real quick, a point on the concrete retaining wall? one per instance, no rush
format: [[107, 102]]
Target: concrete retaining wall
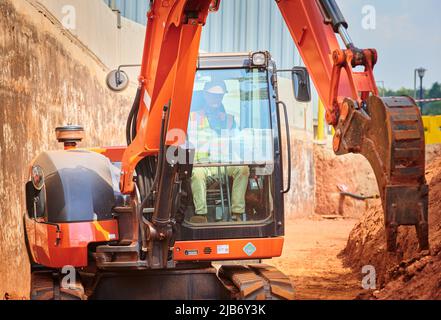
[[95, 25], [46, 80]]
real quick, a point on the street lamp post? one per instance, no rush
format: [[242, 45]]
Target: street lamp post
[[383, 88], [421, 72]]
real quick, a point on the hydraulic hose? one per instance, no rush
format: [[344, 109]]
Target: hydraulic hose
[[159, 166], [131, 125]]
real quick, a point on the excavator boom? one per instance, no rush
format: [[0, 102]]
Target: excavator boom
[[388, 132]]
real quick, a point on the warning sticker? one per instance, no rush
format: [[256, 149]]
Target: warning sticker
[[249, 248], [223, 249], [147, 100], [192, 252]]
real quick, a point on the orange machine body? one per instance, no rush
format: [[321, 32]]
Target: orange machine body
[[68, 245], [229, 249], [213, 250]]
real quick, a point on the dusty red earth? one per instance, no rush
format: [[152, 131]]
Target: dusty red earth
[[433, 151], [408, 273], [310, 259], [352, 171]]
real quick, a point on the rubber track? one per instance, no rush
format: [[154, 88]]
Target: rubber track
[[256, 282]]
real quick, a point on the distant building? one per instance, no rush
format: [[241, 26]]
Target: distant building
[[245, 25]]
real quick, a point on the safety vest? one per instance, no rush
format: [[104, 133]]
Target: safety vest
[[200, 135], [207, 143]]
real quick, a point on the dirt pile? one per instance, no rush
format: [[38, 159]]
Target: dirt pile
[[408, 273], [433, 151], [351, 171]]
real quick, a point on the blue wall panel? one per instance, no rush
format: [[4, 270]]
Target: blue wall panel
[[240, 25], [135, 10]]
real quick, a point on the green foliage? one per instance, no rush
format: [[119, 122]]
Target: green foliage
[[430, 108], [399, 92], [435, 91]]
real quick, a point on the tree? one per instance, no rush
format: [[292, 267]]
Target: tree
[[430, 108], [400, 92], [435, 91]]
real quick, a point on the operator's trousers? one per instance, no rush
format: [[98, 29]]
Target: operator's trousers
[[201, 175]]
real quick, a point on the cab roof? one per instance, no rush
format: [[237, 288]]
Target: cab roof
[[227, 60]]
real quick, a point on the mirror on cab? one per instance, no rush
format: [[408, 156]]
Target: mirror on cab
[[117, 80], [301, 84]]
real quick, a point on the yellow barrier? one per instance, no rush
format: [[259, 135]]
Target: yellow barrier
[[432, 129], [321, 122]]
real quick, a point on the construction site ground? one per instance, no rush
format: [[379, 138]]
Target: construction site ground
[[311, 259]]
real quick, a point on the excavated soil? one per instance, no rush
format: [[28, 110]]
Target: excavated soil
[[351, 171], [408, 273], [433, 151]]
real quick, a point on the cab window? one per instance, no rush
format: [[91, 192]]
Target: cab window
[[230, 132]]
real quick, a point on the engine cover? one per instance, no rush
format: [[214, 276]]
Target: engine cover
[[79, 185]]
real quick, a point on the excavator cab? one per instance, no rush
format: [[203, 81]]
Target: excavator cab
[[235, 187], [230, 129]]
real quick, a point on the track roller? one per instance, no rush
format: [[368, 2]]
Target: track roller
[[256, 282]]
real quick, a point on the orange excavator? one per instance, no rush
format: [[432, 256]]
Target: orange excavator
[[119, 222]]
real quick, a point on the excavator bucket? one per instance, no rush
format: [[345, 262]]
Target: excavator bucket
[[389, 132]]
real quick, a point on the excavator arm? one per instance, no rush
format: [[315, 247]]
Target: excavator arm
[[387, 131]]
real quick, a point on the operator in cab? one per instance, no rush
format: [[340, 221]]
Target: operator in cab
[[207, 124]]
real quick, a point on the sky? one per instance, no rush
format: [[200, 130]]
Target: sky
[[406, 34]]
